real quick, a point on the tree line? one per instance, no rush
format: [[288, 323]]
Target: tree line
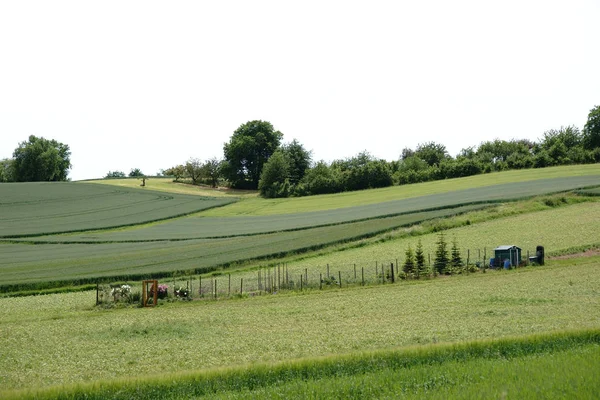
[[255, 158]]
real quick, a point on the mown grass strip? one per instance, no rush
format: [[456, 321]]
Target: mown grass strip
[[215, 381]]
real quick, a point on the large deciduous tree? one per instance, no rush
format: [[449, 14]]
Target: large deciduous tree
[[299, 160], [136, 173], [211, 171], [274, 181], [193, 169], [40, 159], [115, 174], [591, 130], [248, 150]]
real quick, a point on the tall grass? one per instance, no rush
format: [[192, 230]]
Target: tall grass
[[253, 377]]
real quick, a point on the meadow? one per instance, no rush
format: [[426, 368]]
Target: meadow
[[449, 336], [82, 343]]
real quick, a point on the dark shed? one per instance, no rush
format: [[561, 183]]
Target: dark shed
[[511, 252]]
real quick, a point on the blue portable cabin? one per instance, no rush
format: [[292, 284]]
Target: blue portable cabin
[[510, 253]]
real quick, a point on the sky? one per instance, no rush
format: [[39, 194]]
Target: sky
[[151, 84]]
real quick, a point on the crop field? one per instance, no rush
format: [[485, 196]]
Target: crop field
[[28, 209], [82, 343], [200, 226], [25, 263], [257, 206], [558, 229]]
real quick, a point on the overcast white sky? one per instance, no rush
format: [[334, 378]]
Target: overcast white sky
[[150, 84]]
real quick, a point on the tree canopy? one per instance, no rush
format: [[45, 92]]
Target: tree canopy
[[40, 159], [136, 173], [591, 131], [115, 174], [248, 150]]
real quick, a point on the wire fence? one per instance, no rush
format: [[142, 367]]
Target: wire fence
[[283, 277]]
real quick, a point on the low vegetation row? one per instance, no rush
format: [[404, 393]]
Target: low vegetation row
[[378, 366]]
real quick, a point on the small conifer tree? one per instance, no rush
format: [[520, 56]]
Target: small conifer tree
[[420, 267], [409, 263], [456, 261], [441, 262]]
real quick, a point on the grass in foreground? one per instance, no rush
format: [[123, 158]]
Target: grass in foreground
[[520, 366], [81, 343]]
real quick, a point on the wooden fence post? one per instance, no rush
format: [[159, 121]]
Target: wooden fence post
[[363, 275], [392, 269], [320, 281], [306, 276], [340, 275], [241, 286]]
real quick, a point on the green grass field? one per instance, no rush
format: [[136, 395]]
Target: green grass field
[[28, 209], [444, 337], [24, 263], [200, 226], [82, 343], [529, 367], [259, 206]]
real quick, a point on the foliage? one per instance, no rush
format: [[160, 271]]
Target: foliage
[[115, 174], [274, 179], [40, 159], [456, 261], [299, 160], [176, 172], [420, 267], [163, 291], [409, 266], [181, 292], [591, 131], [211, 171], [432, 153], [136, 173], [6, 170], [319, 179], [441, 262], [193, 170], [249, 148]]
